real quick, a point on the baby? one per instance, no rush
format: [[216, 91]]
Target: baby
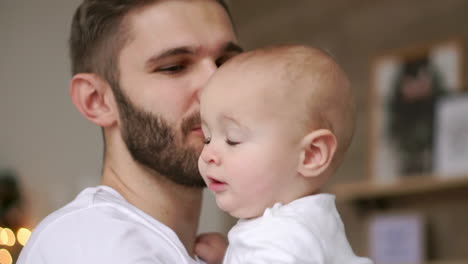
[[277, 124]]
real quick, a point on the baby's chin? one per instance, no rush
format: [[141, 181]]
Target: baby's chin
[[244, 213], [245, 210]]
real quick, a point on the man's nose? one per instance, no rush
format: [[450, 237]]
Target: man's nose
[[207, 69], [210, 156]]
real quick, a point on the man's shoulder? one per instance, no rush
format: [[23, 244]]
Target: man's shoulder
[[98, 207], [101, 224]]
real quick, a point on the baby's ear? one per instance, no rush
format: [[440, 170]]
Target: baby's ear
[[317, 151]]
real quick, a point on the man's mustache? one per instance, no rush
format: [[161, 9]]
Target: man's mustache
[[191, 122]]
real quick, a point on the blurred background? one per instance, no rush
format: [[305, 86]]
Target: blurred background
[[394, 212]]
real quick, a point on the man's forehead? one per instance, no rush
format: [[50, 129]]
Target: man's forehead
[[194, 25], [176, 14]]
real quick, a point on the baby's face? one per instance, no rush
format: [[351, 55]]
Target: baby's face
[[250, 158]]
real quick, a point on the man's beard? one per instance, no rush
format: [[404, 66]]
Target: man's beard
[[152, 142]]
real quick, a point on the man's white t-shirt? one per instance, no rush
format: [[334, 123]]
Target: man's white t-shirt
[[306, 231], [101, 227]]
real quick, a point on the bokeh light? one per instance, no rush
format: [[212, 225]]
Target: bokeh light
[[23, 235], [7, 237], [5, 257]]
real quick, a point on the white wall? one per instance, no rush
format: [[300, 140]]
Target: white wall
[[54, 150]]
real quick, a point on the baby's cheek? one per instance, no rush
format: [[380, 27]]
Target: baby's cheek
[[251, 180], [202, 167]]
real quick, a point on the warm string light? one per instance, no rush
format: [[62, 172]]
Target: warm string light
[[7, 238], [5, 257], [23, 235]]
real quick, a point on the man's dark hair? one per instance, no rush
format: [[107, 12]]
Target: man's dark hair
[[98, 33]]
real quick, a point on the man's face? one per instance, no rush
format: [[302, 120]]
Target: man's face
[[174, 47]]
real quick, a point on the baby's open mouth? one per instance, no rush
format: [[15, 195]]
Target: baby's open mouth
[[215, 181], [216, 185]]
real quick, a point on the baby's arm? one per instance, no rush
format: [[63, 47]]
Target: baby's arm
[[211, 247]]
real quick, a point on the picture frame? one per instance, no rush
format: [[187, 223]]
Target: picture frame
[[405, 87], [451, 148], [397, 238]]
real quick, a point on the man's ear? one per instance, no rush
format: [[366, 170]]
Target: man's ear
[[92, 96], [317, 151]]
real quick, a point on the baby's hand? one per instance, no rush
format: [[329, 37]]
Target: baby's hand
[[211, 247]]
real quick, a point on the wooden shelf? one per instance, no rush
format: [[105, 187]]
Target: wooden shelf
[[371, 190], [448, 262]]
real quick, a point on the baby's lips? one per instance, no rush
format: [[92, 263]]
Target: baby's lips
[[213, 180], [216, 185]]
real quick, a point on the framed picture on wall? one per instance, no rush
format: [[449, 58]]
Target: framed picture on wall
[[405, 87], [396, 238], [451, 144]]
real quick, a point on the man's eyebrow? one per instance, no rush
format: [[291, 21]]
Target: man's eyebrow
[[228, 47], [169, 53], [231, 46]]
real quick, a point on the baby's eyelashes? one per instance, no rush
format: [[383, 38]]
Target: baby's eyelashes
[[207, 141], [231, 142]]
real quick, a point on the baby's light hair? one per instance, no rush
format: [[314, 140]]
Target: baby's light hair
[[315, 86]]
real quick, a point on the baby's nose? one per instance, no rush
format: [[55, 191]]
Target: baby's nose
[[210, 156]]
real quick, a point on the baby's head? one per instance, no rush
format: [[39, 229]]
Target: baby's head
[[277, 123]]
